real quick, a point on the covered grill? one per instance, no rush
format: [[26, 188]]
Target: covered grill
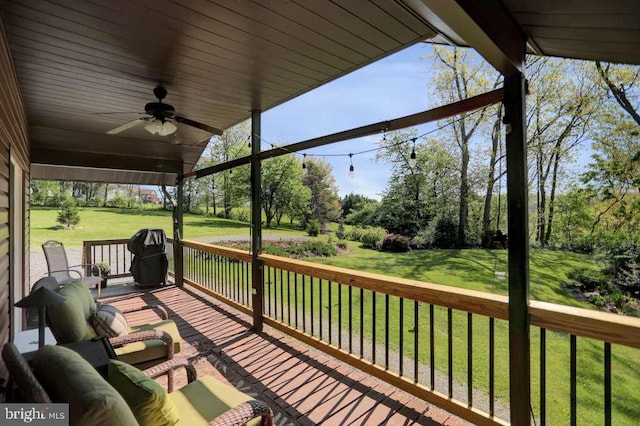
[[149, 265]]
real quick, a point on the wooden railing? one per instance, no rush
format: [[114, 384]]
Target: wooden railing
[[446, 345], [115, 253]]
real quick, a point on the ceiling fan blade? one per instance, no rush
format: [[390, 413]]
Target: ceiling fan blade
[[126, 126], [116, 112], [192, 123]]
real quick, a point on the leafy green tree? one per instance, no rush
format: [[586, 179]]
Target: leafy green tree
[[68, 215], [351, 202], [227, 189], [282, 189], [415, 194], [459, 75], [562, 106], [324, 204]]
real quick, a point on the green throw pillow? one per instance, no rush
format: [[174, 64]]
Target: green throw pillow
[[147, 399]]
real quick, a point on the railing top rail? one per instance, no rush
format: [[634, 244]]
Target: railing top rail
[[244, 256], [477, 302], [102, 242], [608, 327]]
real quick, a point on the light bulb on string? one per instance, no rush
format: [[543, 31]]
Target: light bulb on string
[[351, 169], [304, 159], [412, 157]]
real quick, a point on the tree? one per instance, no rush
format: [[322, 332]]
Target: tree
[[459, 76], [228, 188], [281, 188], [68, 215], [563, 104], [324, 204], [352, 202], [621, 81], [414, 195]]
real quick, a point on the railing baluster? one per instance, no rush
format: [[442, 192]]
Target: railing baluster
[[289, 297], [311, 303], [607, 384], [492, 363], [304, 311], [350, 319], [295, 294], [361, 323], [470, 359], [432, 355], [281, 295], [401, 333], [340, 315], [329, 312], [543, 376], [320, 327], [415, 341], [373, 323], [386, 332], [573, 374], [450, 349]]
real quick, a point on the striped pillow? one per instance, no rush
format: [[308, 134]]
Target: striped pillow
[[110, 321]]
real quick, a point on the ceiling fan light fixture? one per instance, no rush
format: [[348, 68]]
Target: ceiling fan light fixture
[[160, 127]]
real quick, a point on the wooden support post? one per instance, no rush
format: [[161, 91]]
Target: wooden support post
[[517, 195], [257, 269], [178, 211]]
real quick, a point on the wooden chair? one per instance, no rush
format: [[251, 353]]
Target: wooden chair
[[58, 266]]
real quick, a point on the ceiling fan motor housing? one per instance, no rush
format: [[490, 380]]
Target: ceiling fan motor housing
[[159, 110]]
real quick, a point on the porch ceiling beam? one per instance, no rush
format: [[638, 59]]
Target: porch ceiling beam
[[484, 25], [104, 161], [466, 105]]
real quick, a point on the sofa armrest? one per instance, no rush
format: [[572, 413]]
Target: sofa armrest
[[162, 311], [171, 365], [243, 413], [145, 335]]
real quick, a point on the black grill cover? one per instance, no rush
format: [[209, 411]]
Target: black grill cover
[[149, 265]]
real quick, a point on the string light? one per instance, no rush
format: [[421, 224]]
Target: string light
[[412, 157], [351, 169]]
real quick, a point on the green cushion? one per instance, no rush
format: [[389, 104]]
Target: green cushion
[[138, 352], [70, 320], [147, 399], [67, 377], [205, 399]]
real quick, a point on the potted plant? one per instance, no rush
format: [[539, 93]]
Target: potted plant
[[102, 269]]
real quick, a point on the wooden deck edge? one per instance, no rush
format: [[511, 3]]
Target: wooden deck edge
[[220, 297]]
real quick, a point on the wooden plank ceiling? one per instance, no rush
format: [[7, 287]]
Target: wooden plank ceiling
[[220, 59]]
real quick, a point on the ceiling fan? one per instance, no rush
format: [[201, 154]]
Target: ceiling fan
[[160, 118]]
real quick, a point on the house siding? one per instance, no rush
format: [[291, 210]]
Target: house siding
[[14, 144]]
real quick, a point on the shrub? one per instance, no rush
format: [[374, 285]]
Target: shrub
[[597, 300], [589, 279], [395, 243], [313, 228], [241, 215], [340, 233], [355, 234], [445, 234], [372, 238], [68, 215]]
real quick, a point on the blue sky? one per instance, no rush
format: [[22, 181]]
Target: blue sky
[[392, 87]]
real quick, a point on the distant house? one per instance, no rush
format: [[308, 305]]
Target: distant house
[[149, 196]]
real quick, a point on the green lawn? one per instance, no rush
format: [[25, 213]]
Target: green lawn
[[472, 269], [106, 223]]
